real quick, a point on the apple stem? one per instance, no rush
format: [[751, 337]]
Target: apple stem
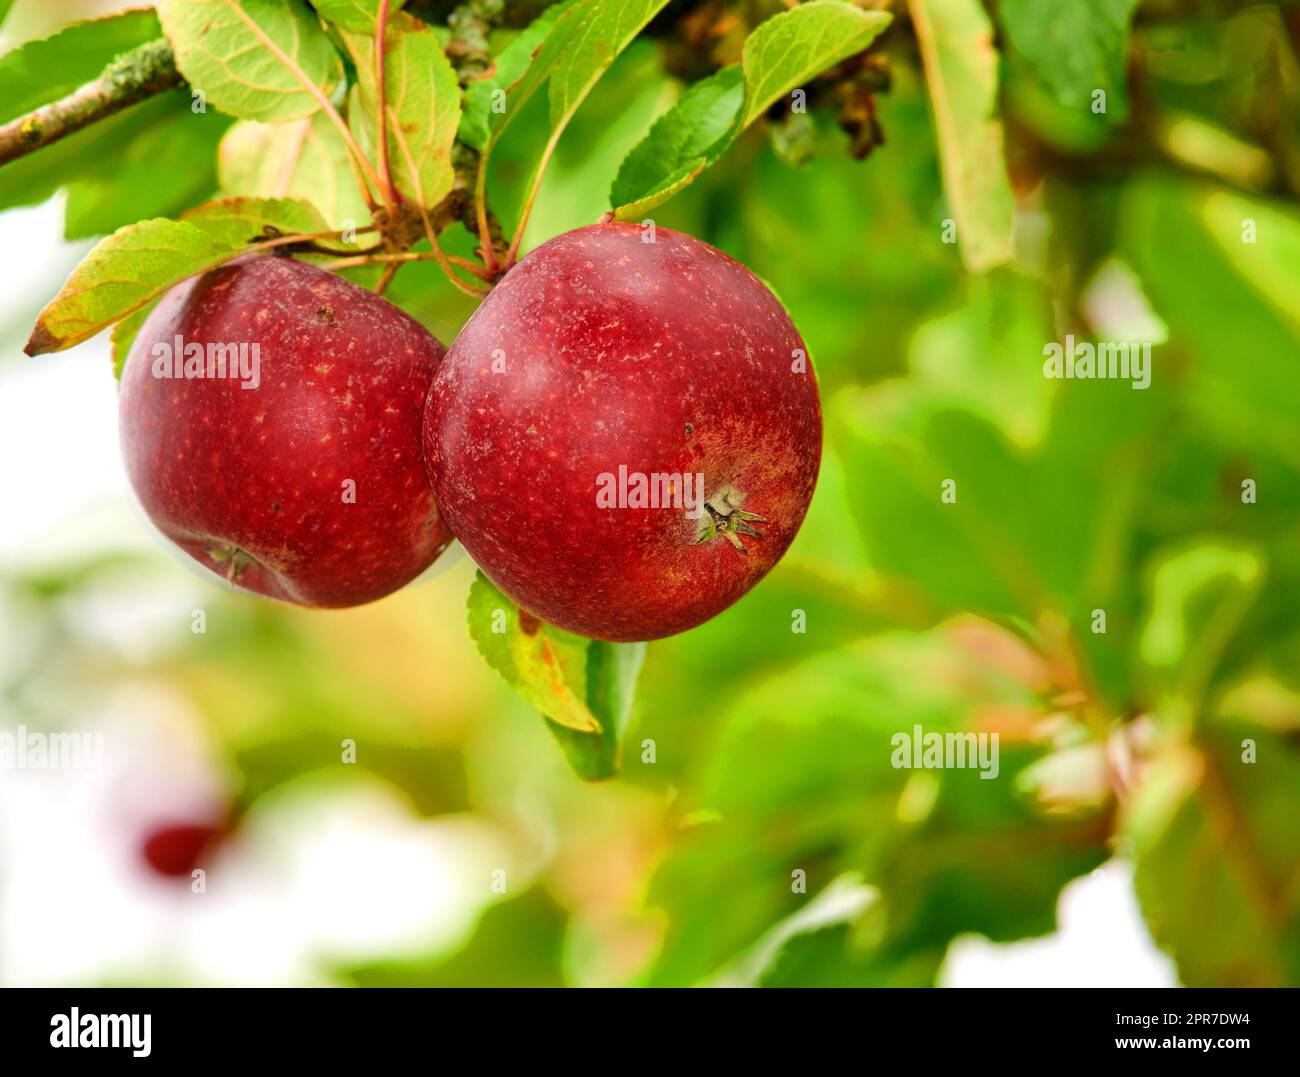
[[513, 251], [485, 249], [386, 277]]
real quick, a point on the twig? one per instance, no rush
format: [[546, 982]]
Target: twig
[[131, 78]]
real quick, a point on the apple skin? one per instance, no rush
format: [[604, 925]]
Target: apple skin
[[600, 350], [250, 482]]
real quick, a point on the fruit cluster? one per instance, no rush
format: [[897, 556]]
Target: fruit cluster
[[625, 436]]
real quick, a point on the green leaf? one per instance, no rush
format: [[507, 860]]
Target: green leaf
[[821, 734], [1241, 375], [306, 159], [584, 54], [792, 47], [1075, 46], [682, 143], [359, 15], [152, 160], [122, 274], [961, 69], [166, 165], [423, 102], [582, 687], [1199, 596], [785, 51], [43, 71], [1270, 261], [253, 59], [509, 67], [1212, 834], [585, 39], [241, 221]]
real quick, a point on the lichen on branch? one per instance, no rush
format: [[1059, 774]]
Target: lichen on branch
[[131, 78]]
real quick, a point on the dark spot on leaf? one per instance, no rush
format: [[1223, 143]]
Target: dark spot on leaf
[[528, 623]]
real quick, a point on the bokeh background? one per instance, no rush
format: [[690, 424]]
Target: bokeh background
[[1131, 837]]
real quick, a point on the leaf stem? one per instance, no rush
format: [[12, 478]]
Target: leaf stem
[[381, 88], [480, 208], [429, 231], [513, 252]]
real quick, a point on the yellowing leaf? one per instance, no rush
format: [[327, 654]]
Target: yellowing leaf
[[122, 274], [961, 69], [240, 221], [306, 159]]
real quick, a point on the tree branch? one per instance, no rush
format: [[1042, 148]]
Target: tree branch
[[131, 78]]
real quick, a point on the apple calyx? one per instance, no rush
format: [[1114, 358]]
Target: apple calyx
[[232, 560], [724, 517]]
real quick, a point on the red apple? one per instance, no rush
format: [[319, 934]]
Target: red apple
[[569, 421], [299, 475], [176, 849]]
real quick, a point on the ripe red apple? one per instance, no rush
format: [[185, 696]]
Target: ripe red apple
[[569, 421], [176, 849], [301, 476]]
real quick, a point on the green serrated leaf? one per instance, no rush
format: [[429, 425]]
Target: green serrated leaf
[[683, 142], [306, 159], [585, 39], [423, 102], [597, 40], [359, 15], [43, 71], [509, 67], [241, 221], [122, 274], [253, 59], [792, 47], [1075, 47], [582, 687], [961, 69], [781, 54]]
